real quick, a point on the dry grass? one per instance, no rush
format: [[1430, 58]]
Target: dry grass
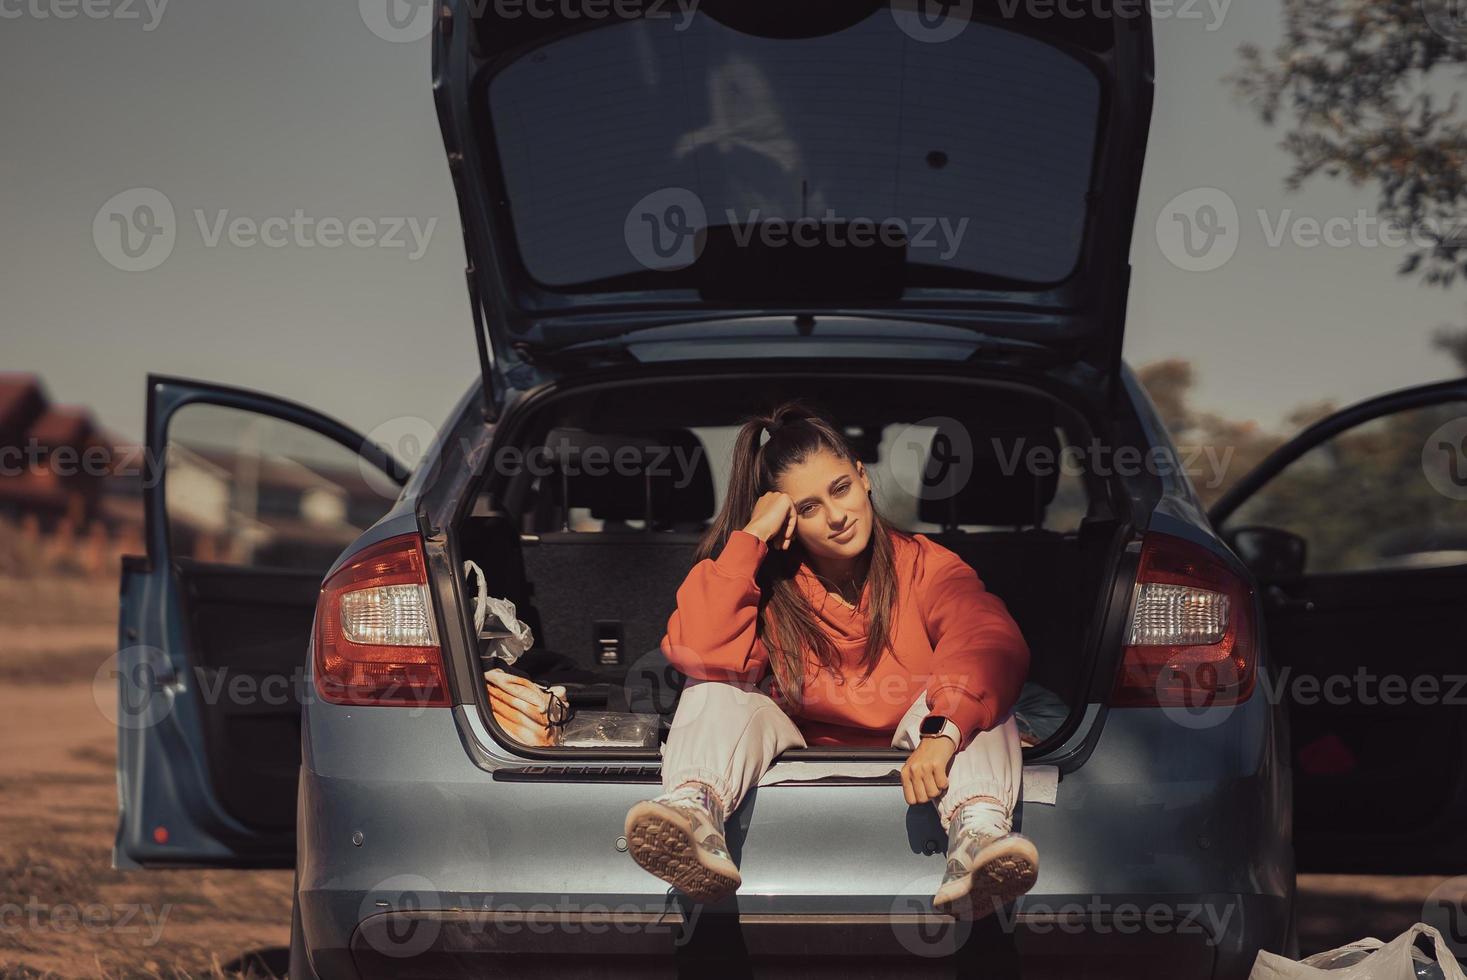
[[83, 918], [59, 600], [58, 629], [150, 971], [58, 813], [23, 664]]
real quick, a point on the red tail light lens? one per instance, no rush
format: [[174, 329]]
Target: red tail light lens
[[1190, 640], [375, 639]]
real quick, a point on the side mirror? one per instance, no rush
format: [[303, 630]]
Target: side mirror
[[1275, 556]]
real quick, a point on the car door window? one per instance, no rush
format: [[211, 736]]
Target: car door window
[[250, 490], [1389, 493]]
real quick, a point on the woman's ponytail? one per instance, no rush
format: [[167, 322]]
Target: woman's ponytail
[[751, 476], [765, 447]]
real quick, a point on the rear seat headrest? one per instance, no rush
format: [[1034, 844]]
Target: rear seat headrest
[[620, 476], [1002, 487]]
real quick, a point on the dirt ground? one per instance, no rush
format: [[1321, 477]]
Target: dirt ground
[[65, 913]]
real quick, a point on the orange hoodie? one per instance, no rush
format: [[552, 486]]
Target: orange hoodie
[[950, 636]]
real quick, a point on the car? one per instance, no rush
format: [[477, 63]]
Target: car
[[300, 670]]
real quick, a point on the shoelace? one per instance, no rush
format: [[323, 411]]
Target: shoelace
[[695, 795], [980, 823]]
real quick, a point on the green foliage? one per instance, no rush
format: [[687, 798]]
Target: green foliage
[[1362, 499], [1356, 85], [1355, 82], [1241, 445]]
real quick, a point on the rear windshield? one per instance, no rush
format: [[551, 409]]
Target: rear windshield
[[978, 150]]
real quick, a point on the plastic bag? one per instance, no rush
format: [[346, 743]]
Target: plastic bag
[[1368, 959], [1355, 953], [512, 637], [609, 729]]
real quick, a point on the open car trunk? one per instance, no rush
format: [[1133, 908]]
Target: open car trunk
[[593, 557]]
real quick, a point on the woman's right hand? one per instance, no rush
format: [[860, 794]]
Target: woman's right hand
[[774, 520]]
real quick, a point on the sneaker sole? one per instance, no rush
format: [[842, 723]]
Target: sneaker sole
[[662, 844], [993, 884]]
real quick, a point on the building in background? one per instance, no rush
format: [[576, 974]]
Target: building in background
[[63, 503], [241, 490]]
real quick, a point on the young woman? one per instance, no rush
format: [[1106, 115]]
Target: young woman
[[818, 623]]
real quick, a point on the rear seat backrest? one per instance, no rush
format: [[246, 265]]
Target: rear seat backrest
[[1036, 572], [662, 477], [589, 584], [1001, 488], [613, 590]]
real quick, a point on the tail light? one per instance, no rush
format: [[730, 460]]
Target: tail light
[[1190, 640], [375, 639]]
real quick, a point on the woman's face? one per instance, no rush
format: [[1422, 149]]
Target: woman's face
[[833, 513]]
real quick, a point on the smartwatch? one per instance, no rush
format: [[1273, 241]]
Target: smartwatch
[[938, 725]]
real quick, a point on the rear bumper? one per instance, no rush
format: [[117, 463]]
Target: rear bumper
[[1092, 936], [1164, 855]]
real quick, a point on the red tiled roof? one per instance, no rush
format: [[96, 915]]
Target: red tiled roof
[[62, 426], [20, 394], [26, 420], [34, 489]]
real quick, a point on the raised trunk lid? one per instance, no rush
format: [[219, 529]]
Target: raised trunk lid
[[716, 161]]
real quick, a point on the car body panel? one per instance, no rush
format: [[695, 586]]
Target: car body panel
[[1180, 822]]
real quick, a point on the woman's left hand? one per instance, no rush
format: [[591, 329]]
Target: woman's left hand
[[924, 776]]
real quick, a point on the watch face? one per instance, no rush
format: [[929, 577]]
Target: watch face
[[933, 725]]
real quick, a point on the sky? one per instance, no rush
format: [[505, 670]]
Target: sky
[[225, 110]]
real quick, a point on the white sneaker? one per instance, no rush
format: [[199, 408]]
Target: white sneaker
[[678, 836], [985, 872]]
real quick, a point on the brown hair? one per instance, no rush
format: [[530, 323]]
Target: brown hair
[[786, 624]]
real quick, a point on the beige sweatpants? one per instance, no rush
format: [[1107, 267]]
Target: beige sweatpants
[[728, 735]]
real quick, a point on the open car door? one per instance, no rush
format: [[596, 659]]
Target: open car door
[[1357, 532], [248, 501]]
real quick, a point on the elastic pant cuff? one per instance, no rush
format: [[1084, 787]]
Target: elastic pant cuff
[[715, 781], [958, 795]]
